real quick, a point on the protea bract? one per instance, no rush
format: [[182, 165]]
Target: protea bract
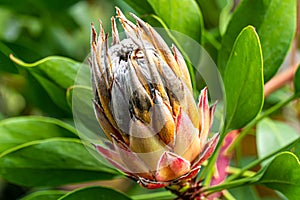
[[143, 101]]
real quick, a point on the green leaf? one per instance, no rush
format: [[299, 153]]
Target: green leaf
[[283, 174], [52, 162], [180, 15], [5, 63], [19, 130], [297, 81], [225, 16], [60, 70], [45, 195], [245, 192], [243, 80], [55, 74], [99, 193], [141, 7], [211, 13], [36, 95], [296, 149], [273, 135], [275, 22], [55, 92]]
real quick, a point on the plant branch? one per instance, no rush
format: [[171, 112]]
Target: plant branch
[[280, 80]]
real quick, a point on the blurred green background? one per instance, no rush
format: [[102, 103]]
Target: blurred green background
[[32, 30]]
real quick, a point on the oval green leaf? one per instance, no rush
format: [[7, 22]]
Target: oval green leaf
[[52, 162], [19, 130], [283, 174], [243, 80], [180, 15], [99, 193], [276, 134], [275, 22], [55, 74], [45, 195]]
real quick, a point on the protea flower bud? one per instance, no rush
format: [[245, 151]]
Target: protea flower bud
[[144, 104]]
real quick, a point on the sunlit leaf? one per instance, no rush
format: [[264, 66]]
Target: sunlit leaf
[[275, 22], [52, 162], [19, 130], [243, 80], [99, 193]]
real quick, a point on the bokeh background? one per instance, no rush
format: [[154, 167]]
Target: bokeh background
[[34, 29]]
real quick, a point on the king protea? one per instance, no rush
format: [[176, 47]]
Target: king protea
[[144, 104]]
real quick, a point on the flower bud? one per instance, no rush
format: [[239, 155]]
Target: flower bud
[[144, 104]]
